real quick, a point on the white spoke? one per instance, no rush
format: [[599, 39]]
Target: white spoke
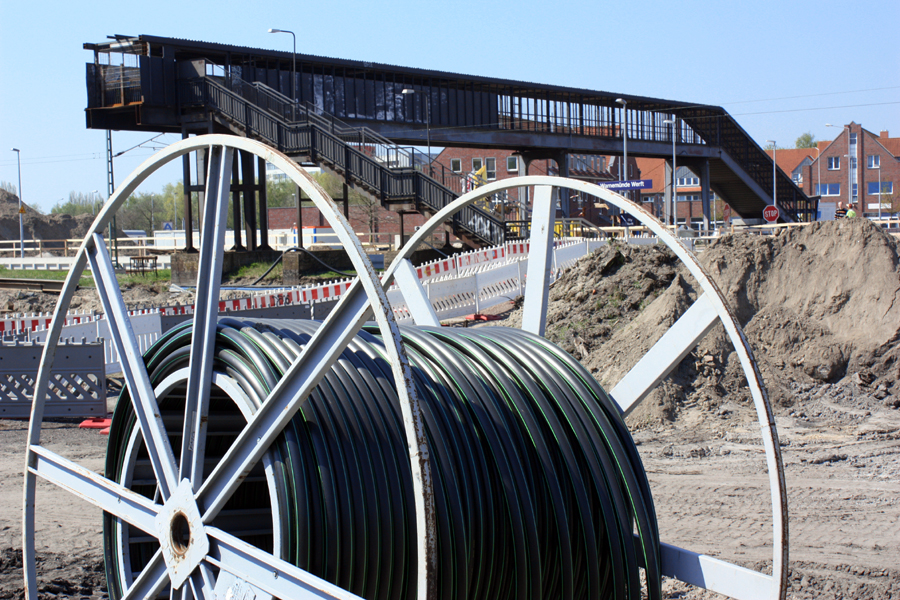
[[665, 354], [264, 571], [283, 403], [537, 290], [95, 489], [716, 575], [414, 293], [212, 245], [151, 582], [202, 583], [145, 406]]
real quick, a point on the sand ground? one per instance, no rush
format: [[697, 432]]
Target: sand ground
[[827, 335], [709, 484]]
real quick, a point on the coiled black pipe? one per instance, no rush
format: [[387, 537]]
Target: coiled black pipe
[[539, 489]]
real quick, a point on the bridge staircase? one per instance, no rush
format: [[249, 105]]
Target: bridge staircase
[[387, 173]]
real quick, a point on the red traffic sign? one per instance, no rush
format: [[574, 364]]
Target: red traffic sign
[[770, 214]]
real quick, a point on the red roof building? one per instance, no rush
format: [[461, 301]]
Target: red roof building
[[857, 166]]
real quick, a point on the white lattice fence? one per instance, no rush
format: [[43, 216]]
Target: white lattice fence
[[77, 381]]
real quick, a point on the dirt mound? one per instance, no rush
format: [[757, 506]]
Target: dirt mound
[[598, 296], [36, 225], [817, 303]]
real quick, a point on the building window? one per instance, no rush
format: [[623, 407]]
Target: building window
[[491, 170], [873, 161], [456, 165], [688, 182], [476, 164], [855, 191], [829, 189], [834, 163], [852, 138], [852, 162], [512, 164], [887, 187]]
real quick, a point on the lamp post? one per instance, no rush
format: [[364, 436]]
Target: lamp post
[[293, 71], [879, 189], [427, 127], [774, 175], [21, 224], [624, 169], [818, 172], [849, 170], [672, 122]]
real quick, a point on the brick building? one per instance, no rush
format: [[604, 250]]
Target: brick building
[[793, 161], [689, 206], [852, 164], [503, 164]]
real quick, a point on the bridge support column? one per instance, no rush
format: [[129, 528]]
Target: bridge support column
[[669, 197], [263, 204], [562, 163], [704, 193], [188, 203], [524, 164], [247, 181], [236, 205], [299, 217]]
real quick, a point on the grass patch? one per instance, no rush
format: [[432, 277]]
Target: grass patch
[[256, 270], [86, 278], [163, 276]]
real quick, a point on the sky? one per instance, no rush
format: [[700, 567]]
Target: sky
[[781, 68]]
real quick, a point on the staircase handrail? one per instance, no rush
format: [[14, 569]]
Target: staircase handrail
[[357, 134], [394, 183]]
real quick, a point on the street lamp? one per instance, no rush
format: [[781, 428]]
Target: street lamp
[[819, 171], [774, 175], [624, 169], [879, 189], [427, 127], [21, 225], [293, 71], [849, 170], [672, 122]]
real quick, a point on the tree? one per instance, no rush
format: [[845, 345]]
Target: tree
[[806, 140], [79, 203]]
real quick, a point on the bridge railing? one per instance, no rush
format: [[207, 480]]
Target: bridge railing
[[310, 139], [368, 142]]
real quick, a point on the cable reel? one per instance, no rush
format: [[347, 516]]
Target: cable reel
[[344, 459]]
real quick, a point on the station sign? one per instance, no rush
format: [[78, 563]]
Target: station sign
[[634, 184]]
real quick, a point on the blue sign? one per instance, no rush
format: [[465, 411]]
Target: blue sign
[[635, 184], [167, 226], [627, 220]]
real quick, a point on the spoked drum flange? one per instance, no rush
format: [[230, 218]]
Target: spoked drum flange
[[706, 312], [192, 551]]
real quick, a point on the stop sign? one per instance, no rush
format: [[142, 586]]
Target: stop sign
[[770, 214]]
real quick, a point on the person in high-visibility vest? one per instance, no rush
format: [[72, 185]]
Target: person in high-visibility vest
[[480, 176], [851, 212]]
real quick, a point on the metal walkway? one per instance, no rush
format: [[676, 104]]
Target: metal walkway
[[137, 83], [375, 165]]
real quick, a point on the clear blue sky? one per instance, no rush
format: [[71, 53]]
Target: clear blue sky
[[780, 68]]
